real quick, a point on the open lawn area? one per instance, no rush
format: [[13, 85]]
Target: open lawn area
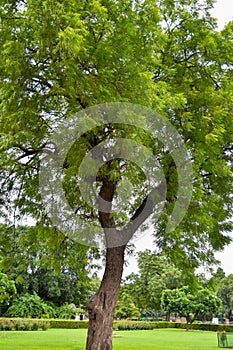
[[71, 339]]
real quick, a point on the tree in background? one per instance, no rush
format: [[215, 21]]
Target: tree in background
[[7, 292], [211, 282], [222, 284], [189, 305], [156, 273], [28, 258], [60, 57], [126, 307], [7, 289], [225, 292]]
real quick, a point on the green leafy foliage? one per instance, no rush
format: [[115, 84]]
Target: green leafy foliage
[[225, 292], [46, 263], [66, 311], [30, 306], [59, 58], [191, 306], [156, 273], [134, 325], [7, 324], [7, 288], [126, 307], [68, 324], [131, 326]]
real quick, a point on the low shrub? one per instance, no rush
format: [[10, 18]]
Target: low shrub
[[66, 312], [18, 324], [27, 326], [44, 325], [6, 325], [68, 324], [30, 306], [130, 326], [163, 324], [35, 326], [21, 324]]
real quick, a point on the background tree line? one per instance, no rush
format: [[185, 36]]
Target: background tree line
[[144, 293], [33, 287], [30, 265]]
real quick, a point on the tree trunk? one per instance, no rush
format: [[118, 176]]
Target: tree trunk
[[102, 305], [190, 321]]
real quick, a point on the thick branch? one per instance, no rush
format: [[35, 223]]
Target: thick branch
[[106, 195], [143, 212]]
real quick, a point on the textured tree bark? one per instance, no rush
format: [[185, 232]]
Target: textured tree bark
[[168, 316], [102, 305]]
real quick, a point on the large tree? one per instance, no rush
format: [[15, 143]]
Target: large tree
[[61, 57]]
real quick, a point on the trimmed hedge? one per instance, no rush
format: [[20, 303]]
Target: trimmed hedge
[[68, 324], [131, 325], [23, 324], [35, 324]]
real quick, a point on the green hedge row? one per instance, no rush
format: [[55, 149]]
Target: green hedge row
[[18, 324], [131, 325], [125, 326], [69, 324], [35, 324]]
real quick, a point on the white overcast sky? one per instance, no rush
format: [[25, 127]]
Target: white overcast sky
[[223, 11]]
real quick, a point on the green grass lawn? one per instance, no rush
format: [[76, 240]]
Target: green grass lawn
[[71, 339]]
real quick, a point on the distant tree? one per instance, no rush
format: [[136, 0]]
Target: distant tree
[[211, 282], [126, 307], [156, 273], [219, 274], [225, 292], [28, 258], [188, 305], [7, 288]]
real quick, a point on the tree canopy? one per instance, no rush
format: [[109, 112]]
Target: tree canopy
[[78, 56]]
